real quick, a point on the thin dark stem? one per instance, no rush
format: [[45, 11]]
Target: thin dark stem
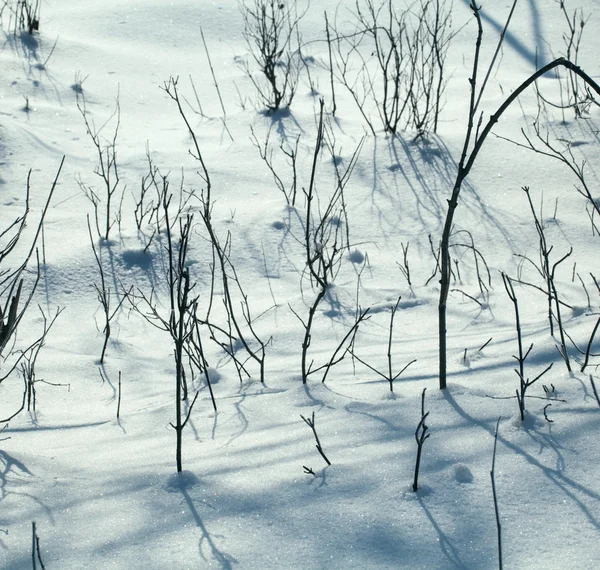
[[493, 478], [333, 103], [464, 168], [310, 422], [589, 346], [420, 436], [119, 400]]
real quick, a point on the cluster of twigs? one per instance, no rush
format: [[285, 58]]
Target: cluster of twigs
[[271, 33], [17, 289], [393, 62], [324, 244], [106, 212], [524, 382], [22, 15]]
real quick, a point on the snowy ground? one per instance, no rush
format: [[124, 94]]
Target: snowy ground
[[103, 491]]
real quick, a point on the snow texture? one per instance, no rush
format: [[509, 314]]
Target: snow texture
[[254, 492]]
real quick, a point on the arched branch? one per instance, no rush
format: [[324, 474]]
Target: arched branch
[[465, 165]]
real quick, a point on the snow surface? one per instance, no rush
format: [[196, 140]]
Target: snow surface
[[104, 493]]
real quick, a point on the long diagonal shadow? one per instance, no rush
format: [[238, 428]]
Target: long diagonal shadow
[[567, 485], [223, 559], [11, 465], [513, 41], [446, 546]]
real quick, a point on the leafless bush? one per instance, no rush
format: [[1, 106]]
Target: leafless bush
[[180, 321], [479, 266], [106, 212], [17, 285], [573, 94], [271, 33], [265, 151], [524, 382], [325, 242], [148, 211], [394, 61], [104, 295], [464, 254], [29, 362], [22, 14], [588, 350], [147, 202], [547, 270], [239, 331], [389, 375], [561, 151]]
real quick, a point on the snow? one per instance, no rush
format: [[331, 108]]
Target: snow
[[104, 491]]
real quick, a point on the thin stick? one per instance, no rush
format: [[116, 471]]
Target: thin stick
[[33, 557], [498, 48], [35, 548], [119, 400], [589, 347], [213, 74], [44, 246], [50, 54], [311, 424], [197, 98], [389, 350], [492, 476], [420, 436], [334, 106]]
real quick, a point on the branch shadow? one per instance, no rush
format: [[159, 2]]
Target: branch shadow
[[30, 47], [9, 465], [555, 475], [534, 57], [278, 120], [223, 559], [446, 545]]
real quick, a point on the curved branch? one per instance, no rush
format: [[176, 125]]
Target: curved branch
[[464, 168]]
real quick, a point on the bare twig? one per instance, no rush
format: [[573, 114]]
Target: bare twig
[[493, 478], [420, 436], [310, 422]]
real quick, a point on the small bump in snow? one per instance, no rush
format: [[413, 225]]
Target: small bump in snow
[[182, 480], [462, 473]]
